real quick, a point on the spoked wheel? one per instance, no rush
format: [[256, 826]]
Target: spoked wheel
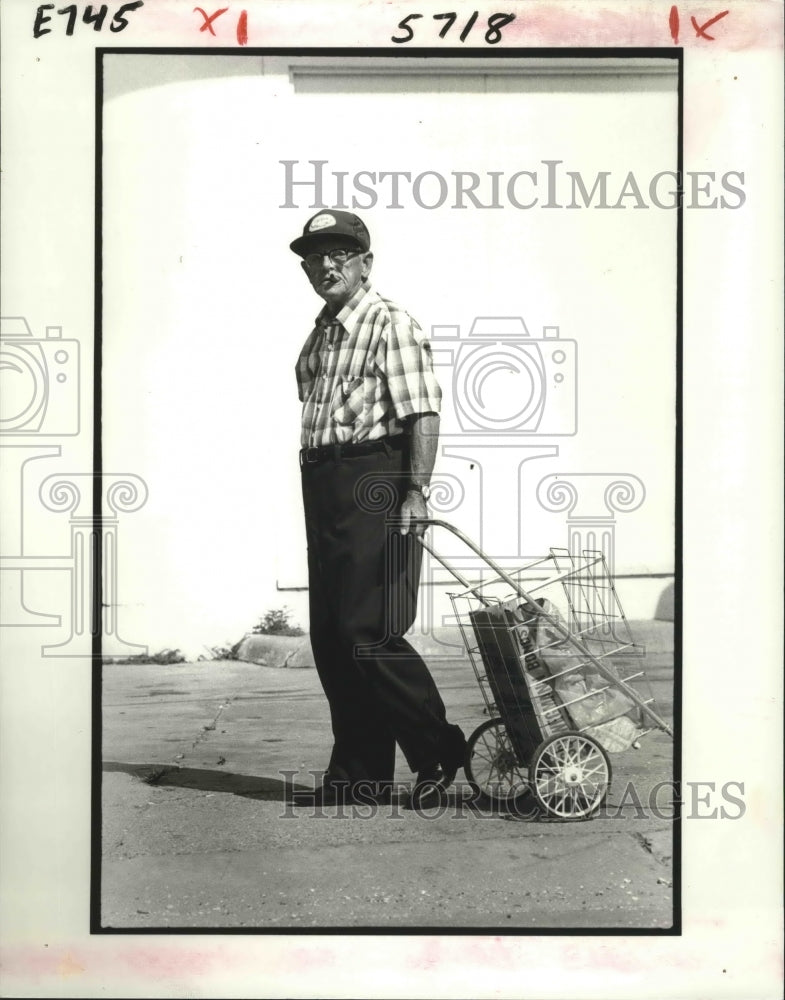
[[491, 765], [570, 775]]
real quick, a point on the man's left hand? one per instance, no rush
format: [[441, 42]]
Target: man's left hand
[[413, 506]]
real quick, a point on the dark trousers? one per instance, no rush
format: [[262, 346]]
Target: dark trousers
[[363, 580]]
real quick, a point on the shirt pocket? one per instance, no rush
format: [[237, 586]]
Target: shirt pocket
[[353, 398]]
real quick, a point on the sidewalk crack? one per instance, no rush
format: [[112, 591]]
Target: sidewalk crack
[[210, 727], [647, 844]]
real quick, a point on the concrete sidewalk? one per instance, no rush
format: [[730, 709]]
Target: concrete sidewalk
[[197, 832]]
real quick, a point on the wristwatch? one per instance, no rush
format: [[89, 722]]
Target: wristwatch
[[425, 490]]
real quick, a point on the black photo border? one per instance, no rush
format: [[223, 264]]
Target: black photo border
[[674, 53]]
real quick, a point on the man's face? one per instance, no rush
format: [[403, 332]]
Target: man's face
[[336, 280]]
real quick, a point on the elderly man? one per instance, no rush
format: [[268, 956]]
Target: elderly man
[[369, 434]]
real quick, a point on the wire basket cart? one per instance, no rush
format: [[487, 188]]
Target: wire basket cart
[[560, 675]]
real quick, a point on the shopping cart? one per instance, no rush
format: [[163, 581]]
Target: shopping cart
[[560, 676]]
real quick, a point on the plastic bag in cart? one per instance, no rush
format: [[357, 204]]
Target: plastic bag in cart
[[608, 715]]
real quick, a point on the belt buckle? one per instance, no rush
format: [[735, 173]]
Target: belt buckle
[[309, 456]]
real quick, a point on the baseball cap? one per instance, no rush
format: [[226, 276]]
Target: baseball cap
[[333, 223]]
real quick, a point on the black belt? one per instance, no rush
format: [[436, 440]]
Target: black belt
[[335, 452]]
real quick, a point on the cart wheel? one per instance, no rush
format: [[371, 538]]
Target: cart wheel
[[570, 775], [491, 765]]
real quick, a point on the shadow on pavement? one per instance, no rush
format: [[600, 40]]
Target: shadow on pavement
[[274, 790], [203, 780]]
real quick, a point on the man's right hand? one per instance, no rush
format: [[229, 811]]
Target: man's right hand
[[413, 506]]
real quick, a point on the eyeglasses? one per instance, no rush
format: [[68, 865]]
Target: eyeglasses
[[339, 257]]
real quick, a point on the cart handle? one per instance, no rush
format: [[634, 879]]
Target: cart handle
[[534, 608], [531, 605]]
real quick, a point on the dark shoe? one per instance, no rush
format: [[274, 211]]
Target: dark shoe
[[429, 788], [452, 753], [433, 779]]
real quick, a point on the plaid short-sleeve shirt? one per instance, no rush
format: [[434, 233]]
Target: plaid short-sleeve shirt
[[361, 373]]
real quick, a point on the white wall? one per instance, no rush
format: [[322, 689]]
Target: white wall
[[206, 309]]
